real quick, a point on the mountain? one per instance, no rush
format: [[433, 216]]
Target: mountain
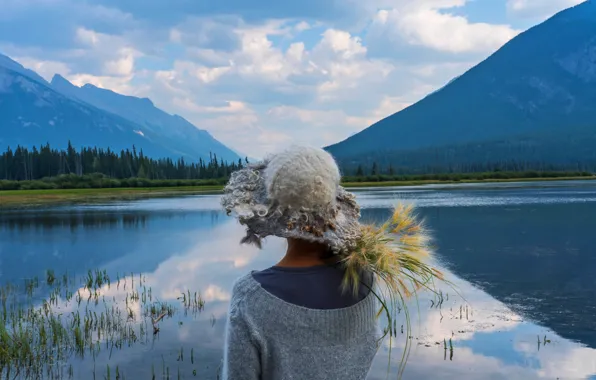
[[34, 112], [8, 63], [176, 133], [531, 101]]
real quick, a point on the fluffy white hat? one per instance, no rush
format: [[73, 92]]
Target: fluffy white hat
[[295, 193]]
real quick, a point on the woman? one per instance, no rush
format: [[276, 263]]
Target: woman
[[312, 315]]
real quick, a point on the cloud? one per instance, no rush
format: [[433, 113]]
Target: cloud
[[207, 33], [118, 83], [569, 360], [103, 54], [229, 106], [539, 9], [122, 66], [52, 23], [261, 96], [425, 24], [46, 69], [159, 12]]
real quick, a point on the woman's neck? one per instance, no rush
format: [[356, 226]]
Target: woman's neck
[[302, 253]]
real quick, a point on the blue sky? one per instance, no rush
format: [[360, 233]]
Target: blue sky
[[263, 74]]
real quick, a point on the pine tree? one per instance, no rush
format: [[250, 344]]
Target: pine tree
[[359, 171], [141, 173]]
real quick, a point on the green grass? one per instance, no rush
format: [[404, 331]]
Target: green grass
[[30, 198]]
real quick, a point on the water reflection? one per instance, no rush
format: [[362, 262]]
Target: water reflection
[[75, 240], [512, 262], [72, 221], [492, 341], [537, 259]]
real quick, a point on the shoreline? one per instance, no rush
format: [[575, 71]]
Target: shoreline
[[354, 185], [19, 199]]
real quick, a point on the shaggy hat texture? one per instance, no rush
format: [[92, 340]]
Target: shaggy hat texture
[[294, 194]]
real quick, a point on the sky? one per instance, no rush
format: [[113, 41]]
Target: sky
[[260, 75]]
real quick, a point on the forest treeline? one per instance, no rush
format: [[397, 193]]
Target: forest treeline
[[98, 180], [538, 152], [48, 168], [23, 164]]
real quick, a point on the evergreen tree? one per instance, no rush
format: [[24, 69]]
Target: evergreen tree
[[359, 171], [141, 173]]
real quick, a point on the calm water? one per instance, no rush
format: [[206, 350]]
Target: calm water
[[522, 255]]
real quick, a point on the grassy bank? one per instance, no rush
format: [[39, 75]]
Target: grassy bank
[[32, 198]]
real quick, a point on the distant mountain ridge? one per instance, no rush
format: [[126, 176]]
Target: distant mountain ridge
[[532, 99], [35, 112], [178, 133]]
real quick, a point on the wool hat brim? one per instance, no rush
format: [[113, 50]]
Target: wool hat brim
[[246, 196]]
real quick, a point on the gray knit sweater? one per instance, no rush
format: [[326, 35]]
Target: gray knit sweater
[[270, 339]]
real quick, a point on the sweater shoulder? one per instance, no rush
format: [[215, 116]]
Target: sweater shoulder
[[243, 290]]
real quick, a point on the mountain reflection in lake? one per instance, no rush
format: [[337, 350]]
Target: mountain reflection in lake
[[522, 257]]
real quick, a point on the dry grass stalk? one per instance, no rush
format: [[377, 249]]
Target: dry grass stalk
[[396, 253]]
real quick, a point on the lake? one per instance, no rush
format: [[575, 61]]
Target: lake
[[522, 256]]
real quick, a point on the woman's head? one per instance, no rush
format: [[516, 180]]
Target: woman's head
[[294, 194], [302, 178]]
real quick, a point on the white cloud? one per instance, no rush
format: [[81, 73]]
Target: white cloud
[[241, 100], [346, 69], [575, 362], [342, 43], [114, 55], [87, 37], [46, 69], [261, 96], [231, 106], [118, 84], [122, 66], [202, 73], [426, 24], [539, 8], [302, 26], [106, 61]]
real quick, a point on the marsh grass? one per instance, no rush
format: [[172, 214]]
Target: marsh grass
[[39, 337], [397, 253], [32, 198]]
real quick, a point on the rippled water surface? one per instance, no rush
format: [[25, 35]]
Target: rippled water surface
[[522, 254]]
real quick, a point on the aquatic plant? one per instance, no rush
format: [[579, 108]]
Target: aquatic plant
[[38, 337], [395, 252]]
